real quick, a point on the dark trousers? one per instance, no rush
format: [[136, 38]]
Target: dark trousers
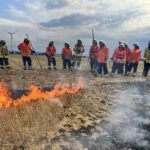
[[93, 63], [27, 60], [118, 67], [4, 62], [133, 66], [66, 62], [146, 69], [102, 67], [51, 60], [127, 67]]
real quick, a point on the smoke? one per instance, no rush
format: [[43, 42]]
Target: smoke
[[129, 115], [128, 126]]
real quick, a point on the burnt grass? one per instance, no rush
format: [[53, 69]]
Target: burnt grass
[[111, 141]]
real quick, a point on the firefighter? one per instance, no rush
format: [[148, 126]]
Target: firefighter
[[50, 54], [66, 56], [4, 61], [134, 59], [119, 60], [25, 47], [77, 56], [146, 60], [116, 49], [93, 56], [102, 58], [128, 52]]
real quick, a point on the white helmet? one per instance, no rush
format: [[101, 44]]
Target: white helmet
[[136, 44], [121, 45], [125, 43], [101, 41], [67, 42], [120, 42]]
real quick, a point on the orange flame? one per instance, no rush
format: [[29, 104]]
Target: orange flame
[[36, 94], [5, 99]]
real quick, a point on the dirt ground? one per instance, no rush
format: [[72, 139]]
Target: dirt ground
[[62, 115]]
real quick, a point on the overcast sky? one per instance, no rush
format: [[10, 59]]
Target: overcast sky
[[68, 20]]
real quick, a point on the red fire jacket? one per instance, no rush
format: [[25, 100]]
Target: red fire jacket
[[103, 54], [93, 51], [51, 50], [120, 56], [25, 49], [128, 53], [135, 55], [66, 53]]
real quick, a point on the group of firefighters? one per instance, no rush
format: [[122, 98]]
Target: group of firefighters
[[69, 59], [124, 59]]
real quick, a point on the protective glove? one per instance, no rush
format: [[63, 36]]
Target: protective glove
[[78, 51]]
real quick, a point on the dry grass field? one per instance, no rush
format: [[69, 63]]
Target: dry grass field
[[35, 125]]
